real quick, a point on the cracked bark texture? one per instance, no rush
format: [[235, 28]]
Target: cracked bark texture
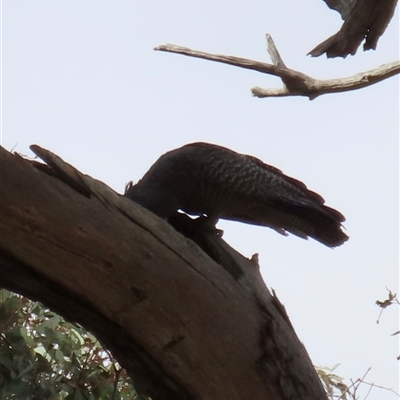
[[183, 325]]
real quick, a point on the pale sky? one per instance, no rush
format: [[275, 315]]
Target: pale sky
[[81, 79]]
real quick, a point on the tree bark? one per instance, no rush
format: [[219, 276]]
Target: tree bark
[[183, 325]]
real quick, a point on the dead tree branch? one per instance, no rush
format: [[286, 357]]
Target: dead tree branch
[[295, 83], [185, 323]]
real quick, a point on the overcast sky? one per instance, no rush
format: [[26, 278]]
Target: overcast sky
[[81, 79]]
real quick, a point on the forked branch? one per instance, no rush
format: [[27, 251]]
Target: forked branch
[[295, 82]]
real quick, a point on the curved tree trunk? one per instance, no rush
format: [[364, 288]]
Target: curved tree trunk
[[183, 325]]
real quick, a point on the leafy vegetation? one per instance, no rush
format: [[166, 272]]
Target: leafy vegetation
[[44, 357]]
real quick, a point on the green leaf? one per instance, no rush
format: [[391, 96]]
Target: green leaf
[[44, 357]]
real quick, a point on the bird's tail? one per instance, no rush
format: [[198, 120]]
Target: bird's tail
[[320, 222]]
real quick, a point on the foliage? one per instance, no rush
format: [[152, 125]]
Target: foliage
[[383, 304], [44, 357]]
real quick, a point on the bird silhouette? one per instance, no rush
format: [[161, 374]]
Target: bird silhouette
[[206, 179]]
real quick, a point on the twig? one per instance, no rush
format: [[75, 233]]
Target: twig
[[296, 83], [274, 53], [371, 384], [357, 383], [392, 299]]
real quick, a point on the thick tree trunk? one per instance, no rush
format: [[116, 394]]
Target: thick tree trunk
[[183, 325]]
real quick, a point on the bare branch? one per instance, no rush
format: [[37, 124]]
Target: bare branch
[[327, 86], [296, 83], [274, 53], [231, 60]]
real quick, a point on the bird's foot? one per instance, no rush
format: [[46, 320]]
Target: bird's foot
[[193, 227]]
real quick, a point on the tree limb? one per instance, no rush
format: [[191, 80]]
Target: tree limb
[[184, 326], [296, 83]]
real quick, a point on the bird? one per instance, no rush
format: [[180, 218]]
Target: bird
[[209, 180]]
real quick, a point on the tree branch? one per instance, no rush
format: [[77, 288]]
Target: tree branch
[[183, 326], [296, 83]]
